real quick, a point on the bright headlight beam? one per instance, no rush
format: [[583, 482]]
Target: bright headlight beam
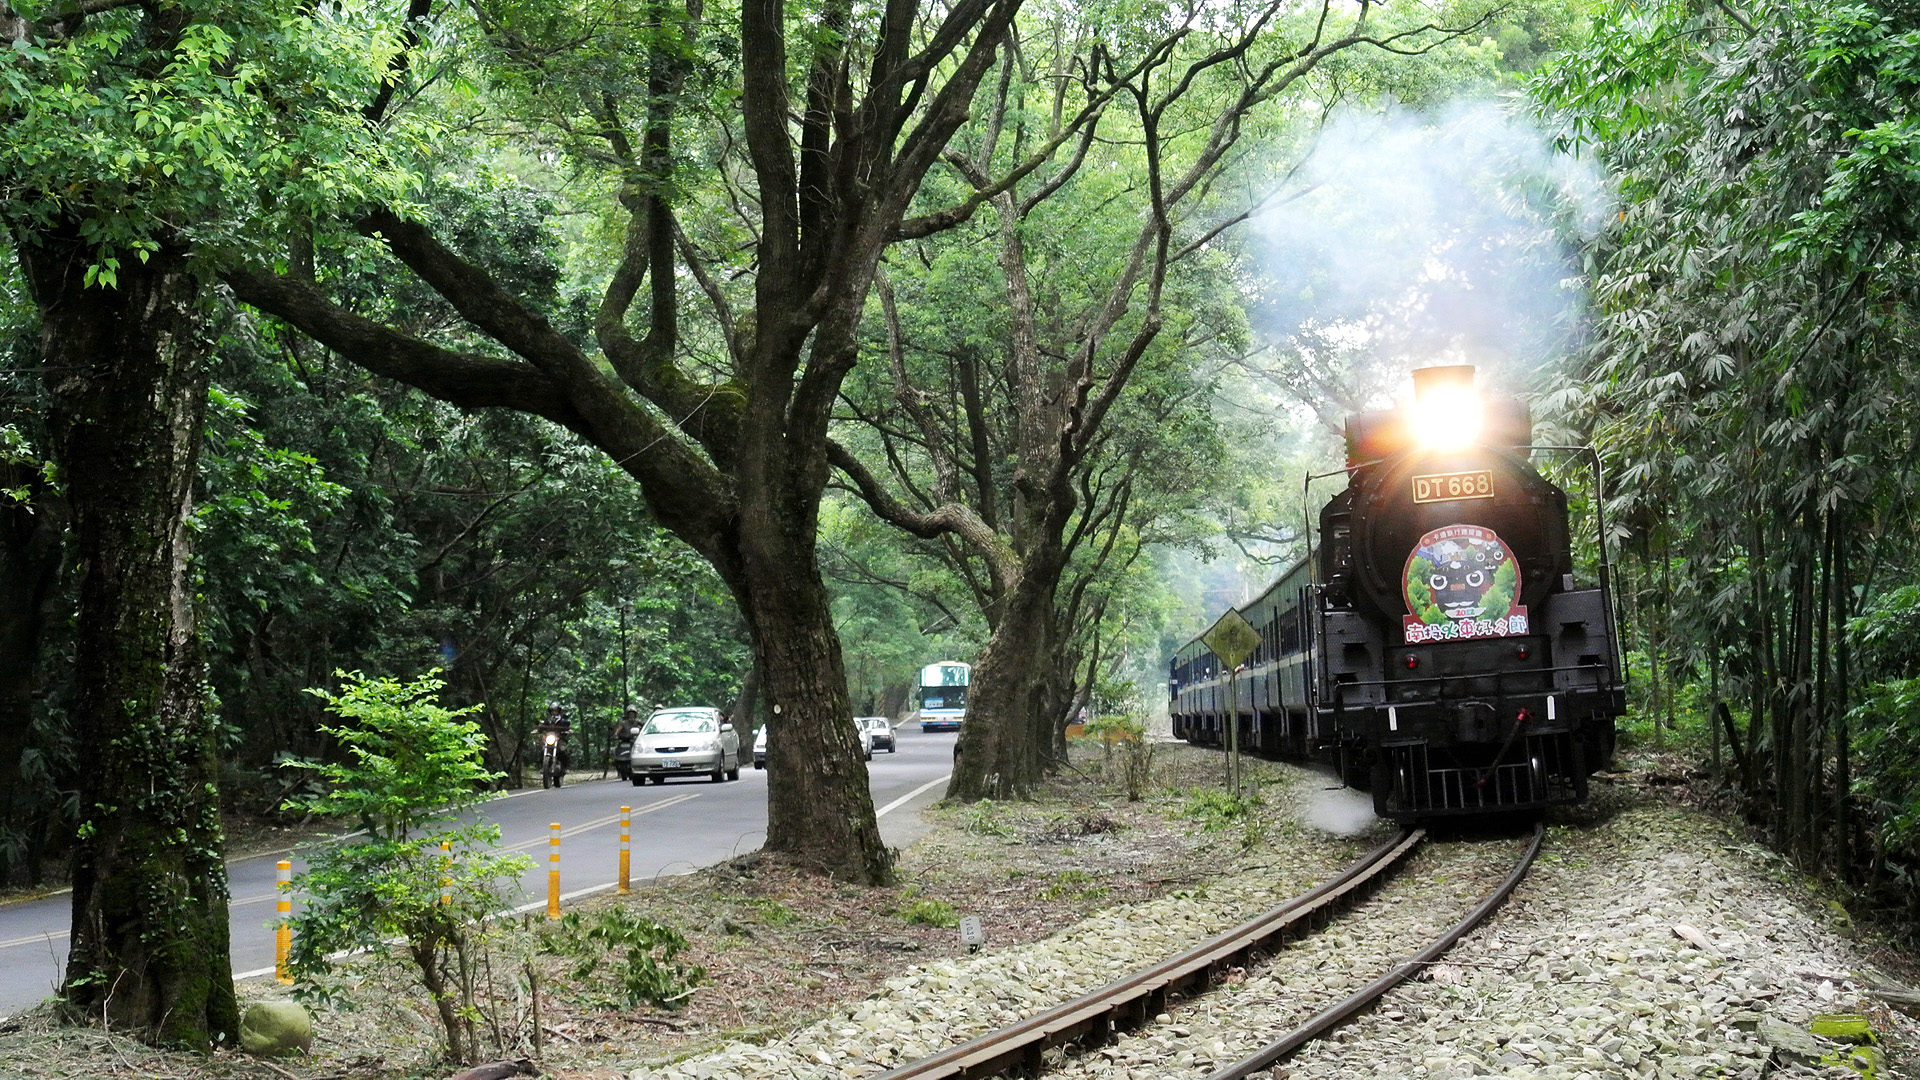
[[1447, 418]]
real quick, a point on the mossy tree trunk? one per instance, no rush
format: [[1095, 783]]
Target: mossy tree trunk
[[1003, 755], [818, 799], [125, 370]]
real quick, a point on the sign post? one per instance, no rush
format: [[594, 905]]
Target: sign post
[[1232, 639]]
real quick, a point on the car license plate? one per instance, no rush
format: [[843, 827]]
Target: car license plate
[[669, 764]]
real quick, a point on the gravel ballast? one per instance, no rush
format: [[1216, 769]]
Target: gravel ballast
[[1649, 941]]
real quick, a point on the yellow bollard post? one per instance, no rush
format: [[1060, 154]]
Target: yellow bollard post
[[553, 873], [626, 829], [446, 872], [283, 932]]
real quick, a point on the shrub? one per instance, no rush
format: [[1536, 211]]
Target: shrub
[[1073, 885], [412, 764], [773, 912], [1887, 772], [1219, 811], [1215, 810], [1126, 752], [987, 818], [1886, 722]]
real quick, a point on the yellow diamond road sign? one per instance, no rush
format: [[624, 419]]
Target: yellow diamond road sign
[[1232, 639]]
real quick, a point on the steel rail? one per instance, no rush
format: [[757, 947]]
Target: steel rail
[[1137, 998], [1338, 1014]]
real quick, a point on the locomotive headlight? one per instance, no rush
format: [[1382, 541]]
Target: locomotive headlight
[[1447, 417]]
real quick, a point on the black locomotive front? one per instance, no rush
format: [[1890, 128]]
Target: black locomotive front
[[1456, 664]]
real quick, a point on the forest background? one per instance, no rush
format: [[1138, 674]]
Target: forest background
[[754, 355]]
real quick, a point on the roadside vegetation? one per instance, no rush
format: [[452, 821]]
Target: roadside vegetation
[[1746, 378]]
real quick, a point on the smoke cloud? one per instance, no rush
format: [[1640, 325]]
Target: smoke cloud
[[1425, 237]]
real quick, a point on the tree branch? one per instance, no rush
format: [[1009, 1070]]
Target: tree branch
[[685, 492], [462, 379], [946, 519], [376, 109]]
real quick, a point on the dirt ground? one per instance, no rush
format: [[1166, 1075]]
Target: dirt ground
[[778, 947]]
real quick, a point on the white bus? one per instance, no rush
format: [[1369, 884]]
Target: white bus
[[943, 695]]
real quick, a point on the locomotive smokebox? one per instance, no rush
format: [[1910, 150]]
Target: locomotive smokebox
[[1442, 379], [1445, 404]]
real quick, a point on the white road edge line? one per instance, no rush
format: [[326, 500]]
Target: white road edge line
[[911, 795], [604, 886]]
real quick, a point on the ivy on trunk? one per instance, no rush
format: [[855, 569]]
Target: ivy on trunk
[[126, 374]]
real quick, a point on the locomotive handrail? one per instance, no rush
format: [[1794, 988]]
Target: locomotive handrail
[[1606, 565], [1499, 676]]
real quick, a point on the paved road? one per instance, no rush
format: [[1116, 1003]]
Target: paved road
[[678, 827]]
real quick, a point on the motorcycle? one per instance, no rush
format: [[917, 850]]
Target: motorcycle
[[552, 768], [622, 754]]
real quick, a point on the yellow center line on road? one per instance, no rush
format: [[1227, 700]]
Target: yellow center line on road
[[264, 898], [596, 823]]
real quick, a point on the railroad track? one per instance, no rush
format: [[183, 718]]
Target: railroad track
[[1133, 1001]]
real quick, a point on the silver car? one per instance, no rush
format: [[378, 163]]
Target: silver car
[[880, 732], [685, 741]]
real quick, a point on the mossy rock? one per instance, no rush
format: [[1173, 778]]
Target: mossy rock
[[276, 1029], [1865, 1060], [1845, 1027]]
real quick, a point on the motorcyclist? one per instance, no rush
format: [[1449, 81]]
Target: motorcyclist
[[623, 735], [557, 722]]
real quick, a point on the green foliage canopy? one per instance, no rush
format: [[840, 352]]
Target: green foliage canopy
[[213, 120]]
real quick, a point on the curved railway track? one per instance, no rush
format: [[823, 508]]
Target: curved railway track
[[1131, 1002]]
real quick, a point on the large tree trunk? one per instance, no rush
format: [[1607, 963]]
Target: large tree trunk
[[126, 374], [819, 804], [1000, 752]]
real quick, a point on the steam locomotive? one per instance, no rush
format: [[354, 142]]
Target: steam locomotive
[[1434, 645]]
